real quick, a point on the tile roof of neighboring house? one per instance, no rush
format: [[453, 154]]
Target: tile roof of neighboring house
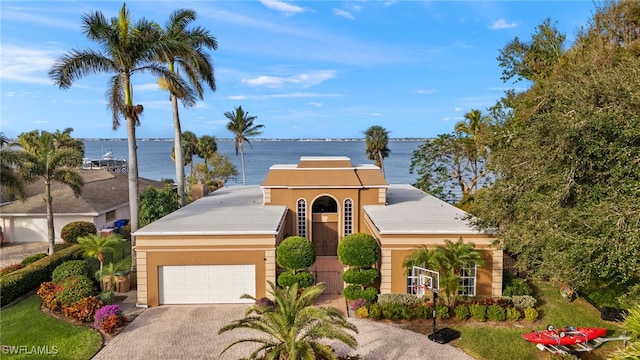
[[412, 211], [226, 211], [103, 191]]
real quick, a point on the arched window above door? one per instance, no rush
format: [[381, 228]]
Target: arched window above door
[[325, 204]]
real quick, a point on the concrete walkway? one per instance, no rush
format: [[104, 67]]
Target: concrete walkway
[[14, 253]]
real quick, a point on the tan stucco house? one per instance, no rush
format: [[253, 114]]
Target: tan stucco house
[[224, 244], [104, 199]]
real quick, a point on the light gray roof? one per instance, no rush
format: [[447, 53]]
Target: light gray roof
[[412, 211], [231, 210]]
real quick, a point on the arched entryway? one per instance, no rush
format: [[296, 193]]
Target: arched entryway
[[325, 238]]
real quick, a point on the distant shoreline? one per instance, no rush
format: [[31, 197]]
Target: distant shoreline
[[256, 139]]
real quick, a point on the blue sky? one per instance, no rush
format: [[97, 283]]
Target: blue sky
[[306, 69]]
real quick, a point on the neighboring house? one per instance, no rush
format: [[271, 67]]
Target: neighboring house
[[104, 199], [224, 245]]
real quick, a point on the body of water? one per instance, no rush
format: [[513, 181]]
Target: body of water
[[154, 156]]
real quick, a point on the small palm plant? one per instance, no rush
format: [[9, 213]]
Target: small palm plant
[[632, 324], [294, 326], [97, 246]]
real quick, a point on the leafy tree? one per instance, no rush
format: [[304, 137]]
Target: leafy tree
[[155, 204], [13, 185], [242, 127], [43, 160], [196, 66], [97, 246], [534, 59], [126, 49], [451, 166], [376, 140], [565, 200], [215, 172], [294, 328]]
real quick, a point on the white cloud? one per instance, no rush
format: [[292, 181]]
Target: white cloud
[[316, 104], [343, 13], [502, 24], [458, 109], [301, 80], [376, 114], [237, 97], [147, 87], [426, 91], [26, 65], [282, 6]]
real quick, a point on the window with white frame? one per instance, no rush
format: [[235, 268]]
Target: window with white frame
[[348, 217], [468, 280], [302, 218]]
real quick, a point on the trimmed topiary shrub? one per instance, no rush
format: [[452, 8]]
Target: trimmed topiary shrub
[[295, 253], [354, 292], [288, 278], [478, 312], [33, 258], [71, 268], [462, 312], [513, 314], [74, 289], [530, 314], [31, 276], [360, 276], [359, 250], [74, 230], [496, 313]]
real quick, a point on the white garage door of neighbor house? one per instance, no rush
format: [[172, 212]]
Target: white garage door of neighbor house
[[206, 284]]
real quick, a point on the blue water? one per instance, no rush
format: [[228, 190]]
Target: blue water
[[155, 163]]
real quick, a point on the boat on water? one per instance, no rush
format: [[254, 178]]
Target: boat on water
[[565, 336], [107, 162]]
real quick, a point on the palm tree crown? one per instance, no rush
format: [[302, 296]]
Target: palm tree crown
[[97, 246], [242, 126], [52, 161], [473, 124], [13, 185], [294, 327], [376, 140]]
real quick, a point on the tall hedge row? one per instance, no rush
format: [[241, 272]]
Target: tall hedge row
[[22, 281]]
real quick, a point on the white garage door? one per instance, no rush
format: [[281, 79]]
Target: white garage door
[[206, 284]]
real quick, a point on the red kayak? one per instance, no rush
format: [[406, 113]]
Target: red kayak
[[564, 336]]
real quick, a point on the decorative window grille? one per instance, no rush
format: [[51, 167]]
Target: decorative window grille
[[468, 280], [302, 218], [348, 217]]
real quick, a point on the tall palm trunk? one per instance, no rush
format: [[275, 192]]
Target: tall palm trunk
[[380, 159], [244, 178], [178, 151], [50, 229], [134, 196]]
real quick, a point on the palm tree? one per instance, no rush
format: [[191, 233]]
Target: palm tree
[[242, 127], [196, 66], [125, 49], [13, 185], [206, 147], [42, 159], [97, 246], [64, 139], [454, 257], [473, 125], [632, 324], [376, 140], [294, 327], [422, 257]]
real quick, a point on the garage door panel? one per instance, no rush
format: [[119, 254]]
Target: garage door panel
[[206, 284]]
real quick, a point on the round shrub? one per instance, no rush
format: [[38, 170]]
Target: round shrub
[[33, 258], [360, 276], [107, 297], [442, 312], [359, 250], [83, 310], [424, 311], [462, 312], [478, 312], [295, 252], [303, 279], [73, 230], [530, 314], [375, 312], [354, 292], [74, 289], [71, 268], [496, 313], [513, 314]]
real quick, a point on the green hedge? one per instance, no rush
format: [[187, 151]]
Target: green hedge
[[360, 276], [30, 277]]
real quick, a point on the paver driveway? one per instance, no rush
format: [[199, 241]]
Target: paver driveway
[[191, 332]]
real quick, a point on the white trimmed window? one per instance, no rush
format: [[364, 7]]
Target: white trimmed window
[[348, 217], [302, 218], [468, 280]]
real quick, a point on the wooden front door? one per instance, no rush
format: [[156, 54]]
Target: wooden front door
[[325, 238]]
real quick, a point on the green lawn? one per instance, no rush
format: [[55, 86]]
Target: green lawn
[[504, 341], [33, 334]]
